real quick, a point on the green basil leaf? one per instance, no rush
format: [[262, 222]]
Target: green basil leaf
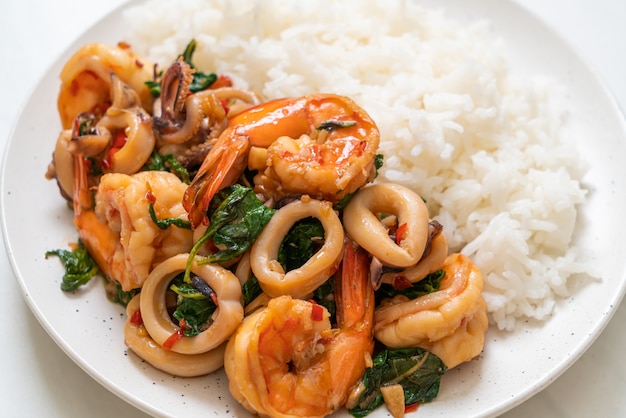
[[192, 306], [201, 80], [79, 266], [302, 241], [428, 284], [167, 222], [251, 289], [167, 162], [417, 370], [236, 219]]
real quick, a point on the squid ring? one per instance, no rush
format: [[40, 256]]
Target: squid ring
[[177, 364], [126, 113], [364, 226], [160, 326], [300, 282]]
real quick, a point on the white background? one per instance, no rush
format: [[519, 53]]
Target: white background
[[38, 380]]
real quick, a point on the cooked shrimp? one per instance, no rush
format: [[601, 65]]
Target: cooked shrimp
[[117, 228], [85, 79], [185, 365], [400, 322], [286, 361], [322, 145], [466, 342], [362, 223], [300, 282]]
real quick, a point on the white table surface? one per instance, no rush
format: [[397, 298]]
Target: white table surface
[[38, 380]]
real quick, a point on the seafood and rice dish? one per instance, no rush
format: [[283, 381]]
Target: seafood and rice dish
[[335, 216]]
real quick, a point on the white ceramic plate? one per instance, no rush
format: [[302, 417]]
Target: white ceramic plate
[[513, 367]]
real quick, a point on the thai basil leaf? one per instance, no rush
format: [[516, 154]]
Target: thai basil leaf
[[154, 87], [417, 370], [192, 306], [167, 162], [118, 295], [331, 125], [251, 289], [343, 202], [167, 222], [302, 241], [79, 266], [428, 284], [236, 218], [201, 80], [379, 160], [325, 296]]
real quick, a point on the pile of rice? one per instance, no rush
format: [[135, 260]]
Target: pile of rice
[[481, 144]]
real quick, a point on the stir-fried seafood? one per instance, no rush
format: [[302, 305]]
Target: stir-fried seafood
[[286, 361], [307, 163], [321, 145]]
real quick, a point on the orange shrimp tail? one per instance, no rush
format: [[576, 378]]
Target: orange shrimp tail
[[354, 344], [354, 289], [82, 198], [222, 167], [97, 237]]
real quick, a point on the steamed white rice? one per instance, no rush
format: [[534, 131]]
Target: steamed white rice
[[481, 144]]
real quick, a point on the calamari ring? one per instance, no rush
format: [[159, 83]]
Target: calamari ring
[[431, 262], [85, 78], [125, 114], [184, 365], [300, 282], [400, 322], [364, 226], [226, 318]]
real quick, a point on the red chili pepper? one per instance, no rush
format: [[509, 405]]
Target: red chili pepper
[[317, 312], [176, 336], [214, 299], [401, 283], [224, 104], [136, 318], [411, 408], [212, 247], [118, 142], [401, 233], [222, 81], [150, 197]]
